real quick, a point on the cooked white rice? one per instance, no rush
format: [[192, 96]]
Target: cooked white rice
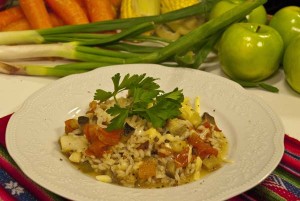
[[120, 165]]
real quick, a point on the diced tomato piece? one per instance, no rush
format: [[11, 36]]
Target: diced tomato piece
[[110, 137], [206, 152], [201, 148], [181, 159], [100, 140], [94, 132], [195, 140], [97, 148], [91, 132]]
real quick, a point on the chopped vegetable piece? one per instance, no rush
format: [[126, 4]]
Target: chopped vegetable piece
[[177, 126], [211, 163], [111, 137], [171, 169], [189, 113], [128, 129], [201, 148], [70, 125], [94, 133], [147, 169], [75, 157], [91, 132], [73, 143], [97, 149], [104, 178], [182, 158], [83, 120]]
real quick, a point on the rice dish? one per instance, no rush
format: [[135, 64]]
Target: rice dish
[[146, 157]]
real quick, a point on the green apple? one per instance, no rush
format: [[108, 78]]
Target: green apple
[[287, 22], [258, 15], [291, 64], [250, 51]]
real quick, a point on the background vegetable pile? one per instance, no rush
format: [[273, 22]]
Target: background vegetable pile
[[117, 41], [92, 33], [40, 14]]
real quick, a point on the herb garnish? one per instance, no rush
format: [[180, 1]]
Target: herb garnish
[[149, 101]]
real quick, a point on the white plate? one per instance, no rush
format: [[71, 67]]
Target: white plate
[[254, 131]]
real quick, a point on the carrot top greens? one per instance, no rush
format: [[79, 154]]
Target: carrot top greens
[[144, 92]]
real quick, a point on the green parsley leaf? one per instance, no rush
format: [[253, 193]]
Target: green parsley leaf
[[116, 80], [166, 107], [175, 95], [102, 95], [121, 115], [148, 101], [143, 95]]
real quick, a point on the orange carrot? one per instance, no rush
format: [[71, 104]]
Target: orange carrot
[[55, 20], [100, 10], [36, 13], [10, 15], [147, 169], [82, 5], [69, 11], [19, 25]]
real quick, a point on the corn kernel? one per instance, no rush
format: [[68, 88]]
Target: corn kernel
[[104, 178]]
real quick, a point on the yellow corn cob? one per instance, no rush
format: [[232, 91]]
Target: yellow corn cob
[[170, 5], [173, 30], [139, 8]]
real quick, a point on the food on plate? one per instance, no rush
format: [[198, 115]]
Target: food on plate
[[291, 64], [287, 22], [146, 139], [250, 51]]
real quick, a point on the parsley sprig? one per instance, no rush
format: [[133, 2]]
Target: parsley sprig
[[144, 92]]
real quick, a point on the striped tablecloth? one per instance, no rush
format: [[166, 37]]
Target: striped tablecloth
[[282, 184]]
